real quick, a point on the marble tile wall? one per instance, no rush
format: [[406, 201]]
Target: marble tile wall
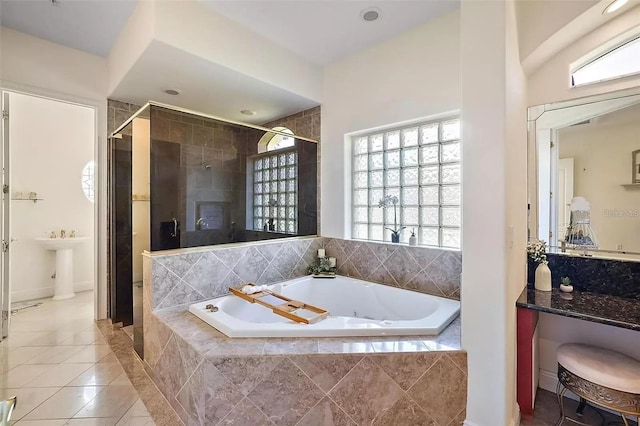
[[210, 387], [427, 270], [178, 279]]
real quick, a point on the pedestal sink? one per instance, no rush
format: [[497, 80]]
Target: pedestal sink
[[64, 263]]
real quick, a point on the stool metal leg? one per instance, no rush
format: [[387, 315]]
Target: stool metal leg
[[560, 392]]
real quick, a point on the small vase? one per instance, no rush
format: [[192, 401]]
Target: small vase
[[395, 237], [543, 277]]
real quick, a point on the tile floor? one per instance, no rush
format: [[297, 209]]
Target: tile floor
[[547, 412], [63, 371]]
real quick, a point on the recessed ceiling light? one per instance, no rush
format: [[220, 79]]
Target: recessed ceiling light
[[370, 14], [172, 92], [614, 5], [248, 112]]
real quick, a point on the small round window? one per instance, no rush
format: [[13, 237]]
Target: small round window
[[88, 181]]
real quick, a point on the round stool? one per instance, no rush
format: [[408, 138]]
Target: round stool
[[601, 376]]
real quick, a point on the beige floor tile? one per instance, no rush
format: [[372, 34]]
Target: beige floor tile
[[65, 403], [138, 410], [93, 353], [136, 421], [55, 422], [14, 356], [58, 375], [55, 354], [121, 380], [98, 374], [92, 422], [109, 358], [83, 338], [24, 338], [28, 399], [22, 374], [113, 401]]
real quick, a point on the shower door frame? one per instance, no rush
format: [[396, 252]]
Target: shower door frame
[[5, 291]]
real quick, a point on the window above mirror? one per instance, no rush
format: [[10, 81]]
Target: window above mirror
[[609, 63]]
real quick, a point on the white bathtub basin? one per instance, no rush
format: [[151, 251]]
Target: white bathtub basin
[[356, 308]]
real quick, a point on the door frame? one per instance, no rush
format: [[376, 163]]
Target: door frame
[[99, 107]]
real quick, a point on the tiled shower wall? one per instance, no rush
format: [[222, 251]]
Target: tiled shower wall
[[189, 277]]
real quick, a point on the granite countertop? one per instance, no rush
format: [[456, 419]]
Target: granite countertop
[[601, 308], [209, 341]]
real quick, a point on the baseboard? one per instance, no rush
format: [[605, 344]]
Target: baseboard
[[515, 421], [548, 380], [44, 292]]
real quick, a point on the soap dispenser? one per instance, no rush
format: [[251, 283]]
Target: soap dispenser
[[413, 240]]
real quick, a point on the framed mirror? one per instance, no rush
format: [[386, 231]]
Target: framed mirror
[[583, 166]]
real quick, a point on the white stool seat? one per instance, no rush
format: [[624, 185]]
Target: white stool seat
[[601, 366]]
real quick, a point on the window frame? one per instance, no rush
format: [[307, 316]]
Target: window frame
[[389, 188], [600, 53]]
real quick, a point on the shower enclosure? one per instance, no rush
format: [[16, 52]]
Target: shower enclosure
[[184, 179]]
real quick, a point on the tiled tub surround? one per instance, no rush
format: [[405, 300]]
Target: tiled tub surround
[[620, 278], [213, 380], [210, 379]]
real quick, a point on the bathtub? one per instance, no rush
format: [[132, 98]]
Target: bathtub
[[356, 308]]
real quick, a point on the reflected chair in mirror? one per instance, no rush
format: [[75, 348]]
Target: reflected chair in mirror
[[6, 409]]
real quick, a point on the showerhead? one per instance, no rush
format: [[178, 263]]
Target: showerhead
[[205, 166]]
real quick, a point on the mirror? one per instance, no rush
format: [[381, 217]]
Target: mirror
[[584, 169]]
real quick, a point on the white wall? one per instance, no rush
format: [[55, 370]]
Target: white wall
[[411, 76], [193, 27], [38, 63], [33, 65], [50, 143], [602, 154], [494, 199], [550, 83]]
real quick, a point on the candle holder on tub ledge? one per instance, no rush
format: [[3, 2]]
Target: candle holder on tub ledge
[[326, 268]]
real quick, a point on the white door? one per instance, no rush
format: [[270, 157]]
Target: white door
[[565, 195], [5, 293]]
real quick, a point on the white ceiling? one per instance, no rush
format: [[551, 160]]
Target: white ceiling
[[328, 30], [206, 87], [88, 25]]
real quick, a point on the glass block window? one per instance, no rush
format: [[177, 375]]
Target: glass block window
[[88, 181], [421, 166], [275, 192]]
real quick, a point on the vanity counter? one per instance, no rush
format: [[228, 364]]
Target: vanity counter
[[611, 310]]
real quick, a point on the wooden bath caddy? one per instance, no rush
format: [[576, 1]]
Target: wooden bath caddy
[[286, 309]]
